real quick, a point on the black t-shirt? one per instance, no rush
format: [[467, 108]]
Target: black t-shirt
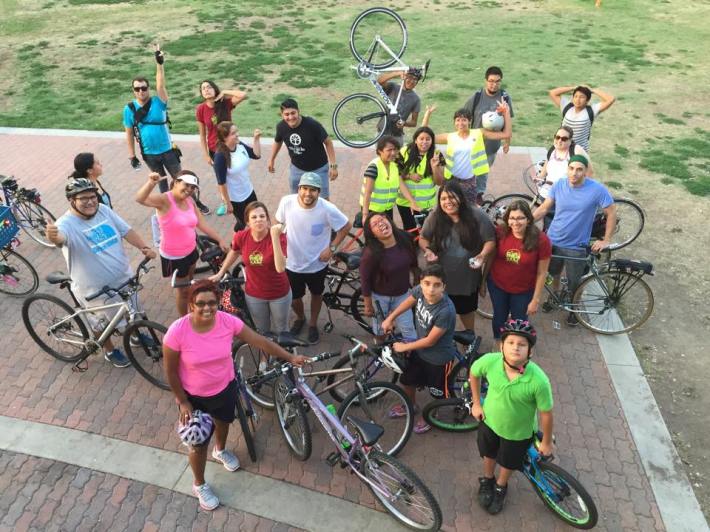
[[304, 143]]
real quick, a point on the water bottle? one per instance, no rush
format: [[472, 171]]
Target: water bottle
[[549, 279], [330, 408]]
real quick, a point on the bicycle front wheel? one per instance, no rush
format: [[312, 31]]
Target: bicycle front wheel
[[54, 327], [363, 363], [359, 120], [450, 415], [17, 276], [292, 419], [246, 429], [375, 30], [629, 223], [565, 496], [497, 208], [613, 302], [32, 218], [143, 342], [387, 405], [401, 492], [253, 362]]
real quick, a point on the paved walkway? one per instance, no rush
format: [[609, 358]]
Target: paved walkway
[[593, 437]]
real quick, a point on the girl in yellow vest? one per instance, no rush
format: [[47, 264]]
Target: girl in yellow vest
[[465, 150], [381, 182], [421, 172]]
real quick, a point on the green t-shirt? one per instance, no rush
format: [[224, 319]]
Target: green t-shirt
[[509, 406]]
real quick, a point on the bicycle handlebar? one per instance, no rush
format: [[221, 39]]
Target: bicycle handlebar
[[131, 281], [284, 367]]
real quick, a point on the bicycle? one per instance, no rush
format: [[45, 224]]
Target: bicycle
[[359, 119], [18, 277], [26, 206], [60, 330], [396, 486]]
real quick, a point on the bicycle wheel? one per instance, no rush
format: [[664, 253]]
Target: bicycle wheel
[[451, 415], [485, 306], [381, 397], [613, 302], [565, 496], [359, 120], [54, 327], [254, 362], [17, 276], [530, 175], [292, 419], [143, 342], [630, 219], [32, 218], [496, 209], [401, 492], [373, 24], [363, 362], [246, 429]]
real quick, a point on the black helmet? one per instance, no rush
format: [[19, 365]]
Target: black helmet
[[78, 185], [521, 328]]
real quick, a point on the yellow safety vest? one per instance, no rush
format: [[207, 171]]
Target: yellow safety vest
[[424, 191], [386, 187], [479, 160]]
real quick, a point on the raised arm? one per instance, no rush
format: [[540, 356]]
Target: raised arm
[[556, 94], [279, 257], [156, 201], [606, 98], [160, 75], [235, 95], [388, 76]]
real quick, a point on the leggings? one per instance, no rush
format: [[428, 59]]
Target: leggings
[[239, 208], [266, 312]]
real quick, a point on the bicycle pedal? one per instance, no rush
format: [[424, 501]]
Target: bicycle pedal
[[333, 458]]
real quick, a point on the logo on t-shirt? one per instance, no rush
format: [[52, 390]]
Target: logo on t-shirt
[[256, 258], [295, 141], [512, 255], [101, 237], [423, 315]]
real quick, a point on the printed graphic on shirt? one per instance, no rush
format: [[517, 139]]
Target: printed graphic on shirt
[[256, 258], [101, 236], [423, 315], [512, 255], [295, 140]]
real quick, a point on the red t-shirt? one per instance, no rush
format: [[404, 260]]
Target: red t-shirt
[[263, 281], [205, 114], [514, 270]]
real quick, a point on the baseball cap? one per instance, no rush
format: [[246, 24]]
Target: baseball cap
[[189, 179], [310, 179]]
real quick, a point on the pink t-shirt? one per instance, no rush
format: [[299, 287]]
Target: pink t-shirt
[[206, 365], [177, 229]]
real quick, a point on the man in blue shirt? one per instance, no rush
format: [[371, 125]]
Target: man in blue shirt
[[576, 200]]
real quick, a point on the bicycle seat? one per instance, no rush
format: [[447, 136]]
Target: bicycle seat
[[633, 265], [351, 260], [288, 341], [369, 432], [466, 337], [211, 253], [57, 277]]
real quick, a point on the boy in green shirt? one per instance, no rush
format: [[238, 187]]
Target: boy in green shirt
[[517, 389]]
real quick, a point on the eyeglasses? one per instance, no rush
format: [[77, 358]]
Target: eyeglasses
[[203, 304], [87, 199], [517, 218], [561, 139], [494, 81], [140, 88]]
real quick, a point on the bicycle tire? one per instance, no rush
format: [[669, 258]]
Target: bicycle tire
[[401, 484], [19, 278], [630, 220], [249, 359], [604, 313], [529, 174], [450, 415], [561, 480], [497, 207], [359, 120], [380, 399], [339, 393], [32, 219], [485, 305], [147, 358], [55, 311], [246, 429], [292, 420], [382, 22]]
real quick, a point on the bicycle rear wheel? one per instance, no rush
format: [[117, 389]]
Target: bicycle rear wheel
[[253, 362], [17, 276], [32, 218], [496, 209], [292, 419], [630, 219], [374, 23], [450, 415], [359, 120], [244, 424], [143, 342], [565, 496], [614, 302], [363, 362], [401, 492], [52, 325]]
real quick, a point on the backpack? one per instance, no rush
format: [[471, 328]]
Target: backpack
[[477, 99], [590, 112], [139, 115], [572, 146]]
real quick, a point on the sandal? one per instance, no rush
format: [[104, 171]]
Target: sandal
[[421, 427]]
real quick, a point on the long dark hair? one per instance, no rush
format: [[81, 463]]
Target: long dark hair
[[377, 249], [532, 232], [412, 157], [221, 110], [223, 129], [468, 227], [82, 164]]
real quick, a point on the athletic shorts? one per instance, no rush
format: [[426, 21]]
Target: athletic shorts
[[220, 406], [419, 372], [508, 453], [465, 304], [182, 265], [299, 281]]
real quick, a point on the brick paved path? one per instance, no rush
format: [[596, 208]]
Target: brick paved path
[[592, 435]]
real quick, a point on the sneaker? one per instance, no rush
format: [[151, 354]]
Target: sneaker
[[485, 491], [208, 500], [297, 326], [496, 505], [204, 209], [117, 358], [227, 458], [572, 319], [141, 340], [421, 427], [313, 335]]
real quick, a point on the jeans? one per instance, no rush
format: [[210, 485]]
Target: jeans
[[295, 174], [405, 322], [264, 312], [574, 269], [504, 304]]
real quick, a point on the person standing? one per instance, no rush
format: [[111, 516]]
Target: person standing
[[216, 107], [577, 113], [409, 104], [87, 166], [309, 221], [309, 147]]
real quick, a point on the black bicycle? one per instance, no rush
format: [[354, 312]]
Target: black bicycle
[[27, 209]]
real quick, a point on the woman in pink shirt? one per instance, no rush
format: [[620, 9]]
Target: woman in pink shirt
[[178, 218], [197, 355]]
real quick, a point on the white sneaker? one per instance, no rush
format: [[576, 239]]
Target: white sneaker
[[227, 458], [208, 500]]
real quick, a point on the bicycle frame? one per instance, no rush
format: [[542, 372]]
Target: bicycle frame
[[579, 308], [124, 310], [366, 71]]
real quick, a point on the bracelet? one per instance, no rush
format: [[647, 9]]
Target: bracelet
[[333, 166]]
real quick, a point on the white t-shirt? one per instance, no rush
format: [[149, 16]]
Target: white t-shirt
[[579, 122], [239, 184], [462, 156], [556, 170], [308, 231]]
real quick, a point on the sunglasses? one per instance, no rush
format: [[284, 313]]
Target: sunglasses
[[202, 304], [141, 88], [562, 139]]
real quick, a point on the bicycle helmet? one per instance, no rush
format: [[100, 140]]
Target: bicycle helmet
[[197, 430], [492, 121], [77, 186], [395, 362], [521, 328]]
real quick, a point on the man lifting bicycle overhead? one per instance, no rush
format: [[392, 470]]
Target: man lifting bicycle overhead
[[409, 102]]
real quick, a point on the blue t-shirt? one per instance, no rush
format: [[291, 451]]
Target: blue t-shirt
[[155, 136], [575, 208]]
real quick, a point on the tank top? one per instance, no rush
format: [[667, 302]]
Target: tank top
[[556, 170], [462, 156], [177, 229]]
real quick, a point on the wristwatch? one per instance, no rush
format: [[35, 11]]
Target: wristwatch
[[333, 249]]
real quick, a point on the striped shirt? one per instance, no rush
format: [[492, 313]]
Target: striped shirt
[[579, 122]]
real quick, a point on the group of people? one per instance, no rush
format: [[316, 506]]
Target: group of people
[[465, 253]]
